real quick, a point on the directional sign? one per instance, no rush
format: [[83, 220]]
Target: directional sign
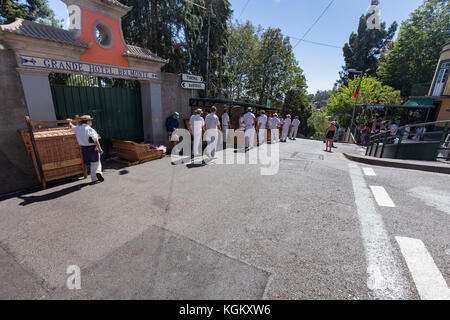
[[193, 85], [191, 78]]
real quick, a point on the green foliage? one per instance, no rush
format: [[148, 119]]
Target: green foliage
[[319, 123], [364, 49], [320, 99], [372, 91], [34, 10], [178, 31], [296, 104], [416, 53]]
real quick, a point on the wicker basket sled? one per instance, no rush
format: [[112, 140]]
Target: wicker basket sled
[[136, 153], [55, 152]]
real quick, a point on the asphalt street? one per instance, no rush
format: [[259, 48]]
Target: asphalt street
[[321, 227]]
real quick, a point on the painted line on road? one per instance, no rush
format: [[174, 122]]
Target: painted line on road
[[382, 197], [369, 172], [385, 276], [429, 281]]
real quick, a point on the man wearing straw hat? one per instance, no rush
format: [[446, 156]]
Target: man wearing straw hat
[[88, 139]]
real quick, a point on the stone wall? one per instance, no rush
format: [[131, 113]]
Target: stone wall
[[17, 170], [175, 99]]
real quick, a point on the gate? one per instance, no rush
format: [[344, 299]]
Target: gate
[[114, 104]]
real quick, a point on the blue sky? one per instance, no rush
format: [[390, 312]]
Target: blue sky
[[320, 64]]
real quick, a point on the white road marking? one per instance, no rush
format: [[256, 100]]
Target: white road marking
[[438, 199], [385, 277], [382, 197], [429, 281], [369, 172]]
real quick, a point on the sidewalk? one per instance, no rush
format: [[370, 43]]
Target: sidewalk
[[430, 166]]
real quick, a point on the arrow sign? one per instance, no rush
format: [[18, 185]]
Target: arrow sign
[[193, 85], [191, 78]]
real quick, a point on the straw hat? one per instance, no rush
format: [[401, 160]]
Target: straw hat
[[86, 118]]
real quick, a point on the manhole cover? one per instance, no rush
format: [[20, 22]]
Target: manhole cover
[[307, 156]]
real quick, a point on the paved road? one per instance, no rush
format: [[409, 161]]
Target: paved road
[[321, 228]]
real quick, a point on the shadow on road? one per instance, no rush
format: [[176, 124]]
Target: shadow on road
[[51, 196]]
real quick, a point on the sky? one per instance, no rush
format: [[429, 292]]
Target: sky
[[321, 64]]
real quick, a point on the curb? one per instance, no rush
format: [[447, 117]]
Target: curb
[[398, 164]]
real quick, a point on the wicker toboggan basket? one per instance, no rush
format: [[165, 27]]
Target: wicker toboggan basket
[[55, 152]]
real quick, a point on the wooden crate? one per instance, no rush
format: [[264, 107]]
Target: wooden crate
[[135, 152], [55, 152]]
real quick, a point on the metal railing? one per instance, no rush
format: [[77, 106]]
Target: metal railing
[[382, 139]]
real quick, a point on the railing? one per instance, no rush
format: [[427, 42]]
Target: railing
[[383, 139]]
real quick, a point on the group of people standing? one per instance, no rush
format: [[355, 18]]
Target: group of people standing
[[252, 126]]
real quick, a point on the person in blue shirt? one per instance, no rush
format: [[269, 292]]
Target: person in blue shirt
[[171, 126]]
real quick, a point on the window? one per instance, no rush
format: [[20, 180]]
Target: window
[[441, 79], [103, 34]]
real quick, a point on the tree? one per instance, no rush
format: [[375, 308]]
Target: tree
[[319, 123], [364, 49], [178, 30], [320, 99], [33, 10], [416, 52], [296, 104], [372, 91], [242, 45]]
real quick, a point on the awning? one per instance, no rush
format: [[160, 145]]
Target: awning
[[195, 102], [420, 103]]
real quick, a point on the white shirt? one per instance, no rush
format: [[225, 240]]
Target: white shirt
[[196, 123], [296, 123], [263, 120], [83, 133], [249, 119], [287, 124], [225, 120], [212, 121], [275, 123], [393, 128]]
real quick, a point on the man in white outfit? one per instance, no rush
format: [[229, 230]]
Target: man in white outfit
[[88, 139], [212, 125], [249, 121], [261, 128], [274, 128], [226, 125], [294, 130], [286, 127], [196, 128]]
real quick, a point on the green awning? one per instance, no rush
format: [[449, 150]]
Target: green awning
[[420, 103]]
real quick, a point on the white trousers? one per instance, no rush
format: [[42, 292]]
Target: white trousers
[[262, 136], [225, 134], [284, 133], [212, 136], [274, 135], [96, 167], [250, 138], [294, 132], [197, 145]]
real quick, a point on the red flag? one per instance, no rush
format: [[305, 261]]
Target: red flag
[[357, 89]]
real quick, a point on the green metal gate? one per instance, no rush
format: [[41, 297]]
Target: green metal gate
[[117, 112]]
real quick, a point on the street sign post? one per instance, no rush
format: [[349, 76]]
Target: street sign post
[[191, 78], [193, 85]]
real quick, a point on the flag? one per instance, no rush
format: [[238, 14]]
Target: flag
[[357, 89]]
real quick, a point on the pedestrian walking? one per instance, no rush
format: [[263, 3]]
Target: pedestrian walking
[[212, 125], [294, 130], [249, 121], [329, 136], [88, 139], [261, 128], [171, 126], [286, 127], [196, 129], [226, 125]]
